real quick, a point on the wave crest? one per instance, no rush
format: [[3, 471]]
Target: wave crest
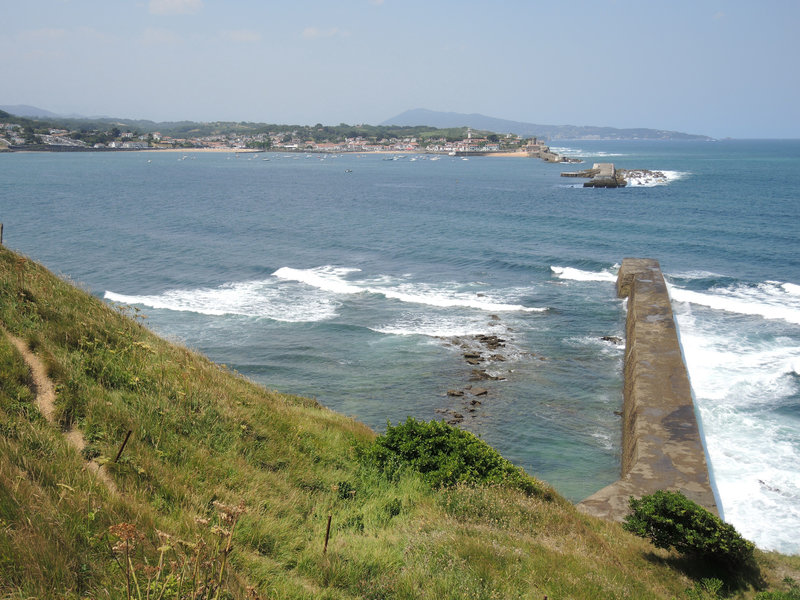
[[770, 300], [573, 274], [331, 279], [260, 299]]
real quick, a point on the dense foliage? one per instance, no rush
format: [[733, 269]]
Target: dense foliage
[[671, 520], [445, 456]]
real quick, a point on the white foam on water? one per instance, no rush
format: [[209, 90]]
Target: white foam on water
[[328, 278], [770, 300], [651, 180], [742, 380], [318, 298], [577, 152], [696, 274], [604, 439], [462, 333], [433, 325], [332, 279], [260, 299], [795, 367], [791, 288], [444, 298], [598, 344], [578, 275]]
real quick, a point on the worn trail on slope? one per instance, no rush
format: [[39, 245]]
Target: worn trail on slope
[[45, 402]]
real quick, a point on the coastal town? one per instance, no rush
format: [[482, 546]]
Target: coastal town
[[319, 139]]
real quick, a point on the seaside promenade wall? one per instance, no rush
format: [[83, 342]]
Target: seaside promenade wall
[[661, 444]]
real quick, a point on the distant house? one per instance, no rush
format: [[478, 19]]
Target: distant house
[[328, 147]]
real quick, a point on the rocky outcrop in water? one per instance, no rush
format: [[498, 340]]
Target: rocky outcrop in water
[[489, 356]]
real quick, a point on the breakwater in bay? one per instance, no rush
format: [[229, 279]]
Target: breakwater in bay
[[661, 443]]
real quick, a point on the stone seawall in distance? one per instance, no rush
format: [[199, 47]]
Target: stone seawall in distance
[[661, 444]]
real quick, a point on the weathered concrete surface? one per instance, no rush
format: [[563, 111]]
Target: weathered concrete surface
[[600, 175], [606, 177], [661, 444]]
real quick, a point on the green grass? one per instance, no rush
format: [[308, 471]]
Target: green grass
[[203, 435]]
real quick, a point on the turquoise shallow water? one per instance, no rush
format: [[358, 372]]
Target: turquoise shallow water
[[364, 289]]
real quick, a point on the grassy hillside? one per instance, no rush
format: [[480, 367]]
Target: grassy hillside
[[224, 481]]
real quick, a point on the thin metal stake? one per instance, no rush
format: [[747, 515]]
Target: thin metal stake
[[327, 535], [122, 447]]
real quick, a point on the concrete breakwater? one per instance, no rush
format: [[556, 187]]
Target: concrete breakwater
[[661, 444], [600, 175], [606, 175]]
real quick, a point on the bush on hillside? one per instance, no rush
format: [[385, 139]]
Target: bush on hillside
[[445, 456], [671, 520], [793, 593]]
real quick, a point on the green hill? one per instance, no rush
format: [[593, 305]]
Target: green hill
[[225, 489]]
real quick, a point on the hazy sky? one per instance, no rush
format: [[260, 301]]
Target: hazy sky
[[714, 67]]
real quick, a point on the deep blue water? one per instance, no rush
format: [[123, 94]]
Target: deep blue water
[[360, 288]]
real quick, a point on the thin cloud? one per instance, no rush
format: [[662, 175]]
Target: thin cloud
[[159, 37], [241, 36], [175, 7], [42, 35], [719, 15], [314, 33]]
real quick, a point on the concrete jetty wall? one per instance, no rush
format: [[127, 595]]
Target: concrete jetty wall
[[661, 444], [604, 175]]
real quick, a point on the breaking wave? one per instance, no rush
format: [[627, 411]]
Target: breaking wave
[[573, 274]]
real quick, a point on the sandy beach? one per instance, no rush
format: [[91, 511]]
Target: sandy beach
[[185, 150]]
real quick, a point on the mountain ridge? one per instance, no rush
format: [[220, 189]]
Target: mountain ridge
[[423, 116], [26, 110]]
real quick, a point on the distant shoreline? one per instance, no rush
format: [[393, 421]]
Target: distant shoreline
[[518, 153]]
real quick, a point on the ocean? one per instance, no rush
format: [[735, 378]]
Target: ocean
[[478, 291]]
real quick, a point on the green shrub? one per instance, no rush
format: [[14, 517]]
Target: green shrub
[[793, 592], [706, 589], [671, 520], [445, 456], [790, 595]]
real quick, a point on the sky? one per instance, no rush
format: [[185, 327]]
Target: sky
[[724, 68]]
